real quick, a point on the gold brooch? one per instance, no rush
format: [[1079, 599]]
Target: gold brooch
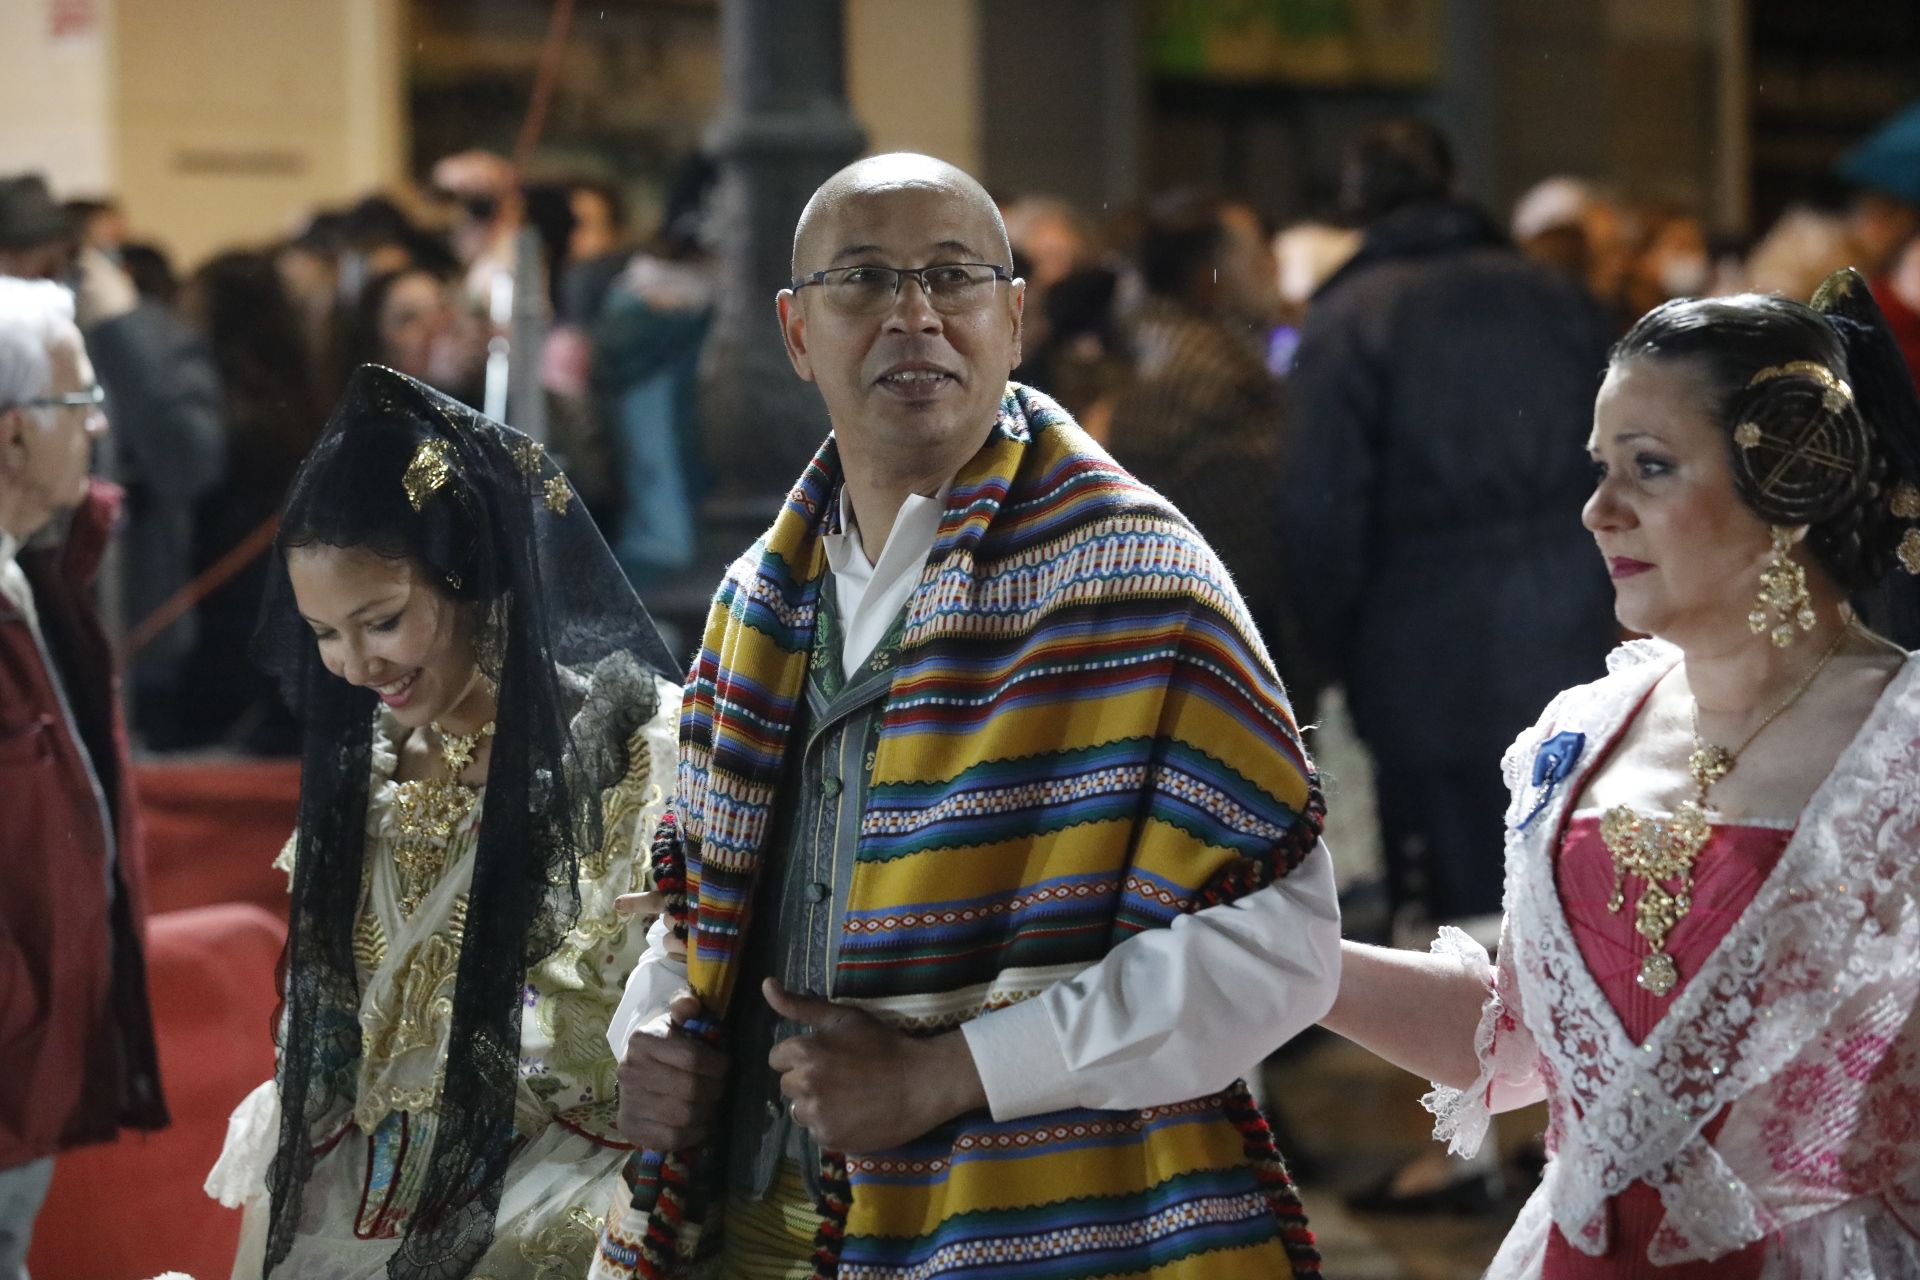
[[558, 494], [427, 473], [1910, 551], [527, 455], [1747, 435]]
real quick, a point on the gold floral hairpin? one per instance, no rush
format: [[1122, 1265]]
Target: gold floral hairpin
[[427, 474], [1906, 506]]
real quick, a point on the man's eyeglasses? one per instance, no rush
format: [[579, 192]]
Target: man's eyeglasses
[[84, 399], [950, 287]]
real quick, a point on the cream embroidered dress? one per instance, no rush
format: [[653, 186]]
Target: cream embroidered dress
[[1776, 1103], [565, 1172]]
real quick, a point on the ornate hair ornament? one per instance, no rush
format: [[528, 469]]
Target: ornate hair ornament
[[1836, 395], [1804, 458], [555, 491], [427, 474]]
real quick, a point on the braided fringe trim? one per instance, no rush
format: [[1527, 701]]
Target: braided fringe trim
[[1245, 875], [669, 1178], [669, 856], [1275, 1182], [836, 1201]]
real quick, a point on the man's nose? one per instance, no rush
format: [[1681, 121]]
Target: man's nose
[[912, 308]]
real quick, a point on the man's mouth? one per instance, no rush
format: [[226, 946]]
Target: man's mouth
[[911, 379]]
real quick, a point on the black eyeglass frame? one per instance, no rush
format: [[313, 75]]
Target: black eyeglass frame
[[1000, 274]]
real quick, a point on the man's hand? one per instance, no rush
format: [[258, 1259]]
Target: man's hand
[[670, 1084], [857, 1085]]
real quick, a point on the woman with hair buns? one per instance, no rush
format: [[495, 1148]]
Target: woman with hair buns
[[489, 726], [1711, 950]]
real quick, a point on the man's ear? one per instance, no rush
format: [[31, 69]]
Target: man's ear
[[13, 441], [793, 328]]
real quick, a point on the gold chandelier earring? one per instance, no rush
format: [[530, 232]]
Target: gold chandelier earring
[[1783, 602]]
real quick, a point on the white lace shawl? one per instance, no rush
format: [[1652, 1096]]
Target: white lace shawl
[[1799, 1022]]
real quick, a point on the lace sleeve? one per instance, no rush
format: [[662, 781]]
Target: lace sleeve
[[573, 992], [1509, 1060]]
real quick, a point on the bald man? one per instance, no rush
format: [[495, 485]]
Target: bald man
[[996, 856]]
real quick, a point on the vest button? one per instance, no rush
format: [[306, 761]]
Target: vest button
[[830, 787], [818, 891]]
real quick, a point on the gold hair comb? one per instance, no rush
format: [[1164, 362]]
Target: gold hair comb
[[427, 474]]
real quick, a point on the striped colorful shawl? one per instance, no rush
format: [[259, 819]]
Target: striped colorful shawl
[[1084, 738]]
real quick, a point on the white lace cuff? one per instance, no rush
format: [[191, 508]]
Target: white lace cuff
[[253, 1132], [1461, 1116]]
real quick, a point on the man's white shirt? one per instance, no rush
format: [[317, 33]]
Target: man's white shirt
[[1167, 1015]]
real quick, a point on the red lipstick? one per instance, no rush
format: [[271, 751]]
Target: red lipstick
[[1623, 567]]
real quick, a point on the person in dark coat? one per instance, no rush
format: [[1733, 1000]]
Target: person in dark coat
[[1443, 393]]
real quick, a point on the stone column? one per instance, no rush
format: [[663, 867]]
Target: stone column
[[784, 127]]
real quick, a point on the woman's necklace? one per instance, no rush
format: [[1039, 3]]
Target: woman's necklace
[[1659, 850], [427, 811]]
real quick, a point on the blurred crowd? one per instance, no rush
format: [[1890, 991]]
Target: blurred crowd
[[1200, 342]]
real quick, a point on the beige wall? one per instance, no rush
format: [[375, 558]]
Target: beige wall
[[914, 76], [56, 98], [236, 117]]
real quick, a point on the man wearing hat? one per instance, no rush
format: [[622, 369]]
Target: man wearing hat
[[164, 396]]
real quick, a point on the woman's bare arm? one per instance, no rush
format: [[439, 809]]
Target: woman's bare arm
[[1417, 1011]]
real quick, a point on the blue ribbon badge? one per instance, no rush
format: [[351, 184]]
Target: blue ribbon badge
[[1552, 766]]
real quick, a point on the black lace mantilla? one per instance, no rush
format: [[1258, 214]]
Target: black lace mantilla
[[502, 531]]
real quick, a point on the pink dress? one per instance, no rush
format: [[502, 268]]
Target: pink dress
[[1727, 874]]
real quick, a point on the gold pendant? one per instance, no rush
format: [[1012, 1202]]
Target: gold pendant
[[1708, 764], [1658, 973]]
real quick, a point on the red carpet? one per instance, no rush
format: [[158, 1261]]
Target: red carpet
[[133, 1209], [216, 922]]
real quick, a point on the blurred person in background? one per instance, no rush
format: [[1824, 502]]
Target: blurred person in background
[[164, 394], [77, 1056], [1802, 248], [309, 269], [406, 320], [1671, 261], [272, 413], [648, 327], [100, 224], [1568, 224], [1431, 529], [489, 210], [1883, 171], [151, 271], [1200, 420], [1305, 255]]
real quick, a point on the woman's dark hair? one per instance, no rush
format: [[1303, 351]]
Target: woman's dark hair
[[1818, 407], [254, 333], [1393, 164], [363, 343]]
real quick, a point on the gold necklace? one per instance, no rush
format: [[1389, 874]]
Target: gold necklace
[[1664, 849], [427, 811]]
